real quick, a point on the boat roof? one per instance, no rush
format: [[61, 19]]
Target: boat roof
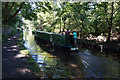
[[47, 32]]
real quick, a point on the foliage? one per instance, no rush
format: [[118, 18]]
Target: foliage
[[84, 17]]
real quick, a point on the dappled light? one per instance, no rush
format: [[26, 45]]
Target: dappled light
[[82, 64], [98, 38], [5, 47], [12, 50], [23, 70], [19, 56], [74, 65], [9, 39], [14, 46], [61, 40], [13, 65]]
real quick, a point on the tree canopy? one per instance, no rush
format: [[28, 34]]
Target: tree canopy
[[84, 17]]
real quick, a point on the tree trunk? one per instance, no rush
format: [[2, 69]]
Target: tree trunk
[[81, 34], [69, 22], [11, 7], [5, 10], [60, 24], [111, 23], [53, 28], [64, 27]]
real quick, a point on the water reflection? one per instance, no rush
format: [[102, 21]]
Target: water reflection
[[103, 67], [57, 63], [53, 62], [30, 43]]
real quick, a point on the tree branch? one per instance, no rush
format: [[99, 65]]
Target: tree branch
[[107, 20], [116, 9], [11, 6], [6, 5], [10, 10], [4, 21]]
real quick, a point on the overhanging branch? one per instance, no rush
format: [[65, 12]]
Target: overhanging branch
[[4, 21]]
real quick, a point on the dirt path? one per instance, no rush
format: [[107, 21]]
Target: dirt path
[[13, 64]]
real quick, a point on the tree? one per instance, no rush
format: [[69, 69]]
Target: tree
[[7, 9], [109, 10]]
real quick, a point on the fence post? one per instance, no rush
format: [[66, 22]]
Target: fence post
[[50, 37]]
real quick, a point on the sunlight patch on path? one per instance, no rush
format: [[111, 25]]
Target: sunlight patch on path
[[23, 70], [12, 50], [20, 56], [14, 46]]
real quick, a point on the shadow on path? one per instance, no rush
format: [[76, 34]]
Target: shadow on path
[[13, 63]]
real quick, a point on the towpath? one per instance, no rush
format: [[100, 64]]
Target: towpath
[[13, 66]]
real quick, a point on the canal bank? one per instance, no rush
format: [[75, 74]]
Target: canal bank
[[82, 64], [50, 60], [54, 63], [93, 66], [113, 47]]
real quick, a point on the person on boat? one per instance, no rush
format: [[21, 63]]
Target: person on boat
[[62, 33], [67, 36], [71, 39], [67, 32], [75, 37]]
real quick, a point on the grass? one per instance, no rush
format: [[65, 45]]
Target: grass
[[20, 43], [33, 66], [24, 52]]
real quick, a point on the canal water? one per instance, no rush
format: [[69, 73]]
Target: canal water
[[58, 63]]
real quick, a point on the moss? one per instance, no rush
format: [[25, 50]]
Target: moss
[[33, 65], [20, 43], [24, 52]]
